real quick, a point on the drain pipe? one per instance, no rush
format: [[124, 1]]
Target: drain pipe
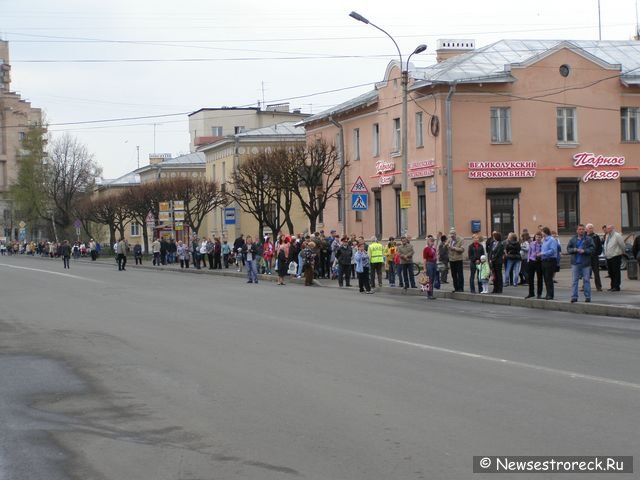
[[343, 201], [447, 107]]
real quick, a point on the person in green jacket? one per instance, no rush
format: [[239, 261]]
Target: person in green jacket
[[376, 261]]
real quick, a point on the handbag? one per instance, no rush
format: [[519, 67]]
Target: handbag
[[423, 279], [293, 268]]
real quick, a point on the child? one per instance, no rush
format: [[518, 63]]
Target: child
[[484, 272]]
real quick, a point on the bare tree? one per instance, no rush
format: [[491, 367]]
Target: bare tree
[[141, 200], [314, 177], [255, 189], [69, 172], [200, 198], [110, 211]]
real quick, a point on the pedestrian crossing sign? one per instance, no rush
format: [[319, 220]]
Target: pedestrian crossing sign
[[359, 186], [359, 201]]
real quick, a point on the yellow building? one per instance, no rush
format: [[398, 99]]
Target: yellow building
[[225, 154]]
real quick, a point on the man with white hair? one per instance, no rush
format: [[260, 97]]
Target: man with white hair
[[597, 251], [613, 250]]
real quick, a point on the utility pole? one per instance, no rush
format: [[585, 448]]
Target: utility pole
[[138, 149]]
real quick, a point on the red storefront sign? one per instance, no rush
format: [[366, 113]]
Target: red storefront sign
[[593, 161], [526, 169], [421, 169]]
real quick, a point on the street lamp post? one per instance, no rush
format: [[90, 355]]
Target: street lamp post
[[404, 216]]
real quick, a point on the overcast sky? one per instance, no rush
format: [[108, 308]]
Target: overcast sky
[[82, 60]]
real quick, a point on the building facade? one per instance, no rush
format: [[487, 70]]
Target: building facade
[[226, 154], [510, 136], [208, 125], [16, 116]]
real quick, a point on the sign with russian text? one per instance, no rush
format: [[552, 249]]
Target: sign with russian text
[[164, 206], [594, 162], [405, 199], [230, 216], [421, 169], [524, 169]]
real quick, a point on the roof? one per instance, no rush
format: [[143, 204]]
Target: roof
[[194, 158], [494, 62], [363, 100], [279, 129], [130, 178]]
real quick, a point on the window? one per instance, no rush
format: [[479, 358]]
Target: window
[[630, 203], [238, 129], [320, 210], [358, 215], [356, 144], [629, 124], [224, 172], [566, 125], [422, 212], [568, 214], [398, 214], [377, 202], [500, 125], [216, 131], [419, 130], [339, 198], [396, 135], [135, 229], [376, 140]]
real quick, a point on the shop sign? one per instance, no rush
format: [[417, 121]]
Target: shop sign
[[386, 179], [526, 169], [385, 171], [594, 162], [421, 169], [405, 199]]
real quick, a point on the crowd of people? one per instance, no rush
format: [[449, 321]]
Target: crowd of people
[[525, 259]]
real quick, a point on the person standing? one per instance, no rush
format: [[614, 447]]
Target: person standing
[[376, 261], [210, 247], [65, 253], [268, 251], [430, 257], [595, 255], [122, 254], [406, 252], [613, 249], [155, 248], [343, 255], [456, 254], [93, 250], [226, 253], [182, 252], [308, 257], [496, 256], [443, 259], [549, 255], [580, 247], [475, 251], [390, 255], [513, 259], [282, 256], [534, 266], [362, 269], [484, 273], [250, 253], [137, 253]]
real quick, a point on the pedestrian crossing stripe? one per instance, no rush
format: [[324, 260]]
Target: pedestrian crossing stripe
[[359, 186]]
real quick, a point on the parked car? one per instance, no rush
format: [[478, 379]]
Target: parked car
[[628, 255]]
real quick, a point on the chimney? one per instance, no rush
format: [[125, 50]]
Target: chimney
[[448, 48]]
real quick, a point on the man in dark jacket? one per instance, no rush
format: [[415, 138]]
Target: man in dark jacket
[[476, 250], [343, 255], [595, 255], [580, 247]]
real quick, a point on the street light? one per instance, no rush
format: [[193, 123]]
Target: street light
[[404, 226]]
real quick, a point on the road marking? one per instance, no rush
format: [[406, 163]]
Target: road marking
[[68, 275], [488, 358]]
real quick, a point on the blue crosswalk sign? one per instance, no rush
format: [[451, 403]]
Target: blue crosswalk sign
[[359, 201]]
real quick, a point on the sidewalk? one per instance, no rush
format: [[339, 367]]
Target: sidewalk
[[625, 303]]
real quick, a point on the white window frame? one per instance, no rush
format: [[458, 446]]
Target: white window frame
[[566, 116], [135, 229], [356, 144], [397, 134], [216, 131], [419, 130], [630, 124], [376, 139], [500, 125]]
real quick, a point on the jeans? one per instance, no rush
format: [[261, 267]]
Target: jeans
[[252, 271], [512, 272], [578, 271], [407, 275], [300, 265], [392, 273], [457, 274], [432, 272], [472, 276]]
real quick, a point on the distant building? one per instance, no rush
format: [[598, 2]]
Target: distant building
[[16, 115], [209, 125]]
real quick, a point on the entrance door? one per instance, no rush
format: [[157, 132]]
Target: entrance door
[[377, 202], [502, 215]]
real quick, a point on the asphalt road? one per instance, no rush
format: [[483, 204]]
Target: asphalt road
[[160, 375]]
